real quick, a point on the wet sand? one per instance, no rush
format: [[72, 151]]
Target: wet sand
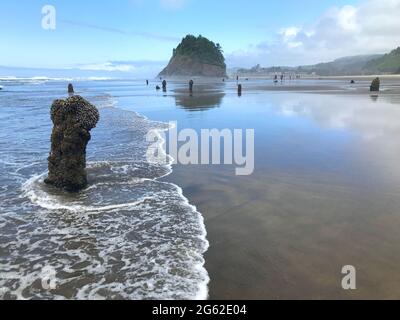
[[276, 236], [314, 203]]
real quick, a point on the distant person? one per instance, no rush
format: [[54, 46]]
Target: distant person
[[164, 85], [70, 89], [147, 82], [191, 83], [239, 90]]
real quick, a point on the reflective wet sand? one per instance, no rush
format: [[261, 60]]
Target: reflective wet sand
[[325, 194]]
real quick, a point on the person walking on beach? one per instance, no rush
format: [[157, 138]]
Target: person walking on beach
[[191, 83]]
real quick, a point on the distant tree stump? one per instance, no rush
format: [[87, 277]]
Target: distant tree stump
[[239, 90], [375, 85]]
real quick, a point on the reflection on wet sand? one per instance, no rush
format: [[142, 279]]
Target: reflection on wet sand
[[325, 194], [202, 98], [374, 120]]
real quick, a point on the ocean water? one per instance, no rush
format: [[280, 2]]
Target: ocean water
[[129, 235]]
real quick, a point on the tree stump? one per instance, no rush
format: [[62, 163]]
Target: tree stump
[[375, 85], [73, 119]]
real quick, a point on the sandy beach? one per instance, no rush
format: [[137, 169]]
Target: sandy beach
[[286, 231], [324, 193]]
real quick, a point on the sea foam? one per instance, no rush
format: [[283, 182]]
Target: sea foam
[[129, 235]]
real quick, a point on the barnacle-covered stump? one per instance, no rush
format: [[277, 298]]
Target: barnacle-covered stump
[[73, 119]]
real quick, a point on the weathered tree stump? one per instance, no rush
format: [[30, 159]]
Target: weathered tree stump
[[71, 88], [73, 119], [375, 85]]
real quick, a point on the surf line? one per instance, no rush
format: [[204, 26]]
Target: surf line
[[212, 146]]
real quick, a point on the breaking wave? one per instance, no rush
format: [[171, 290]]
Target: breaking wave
[[129, 235]]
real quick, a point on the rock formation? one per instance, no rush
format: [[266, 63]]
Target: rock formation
[[70, 88], [196, 57], [375, 85], [73, 119]]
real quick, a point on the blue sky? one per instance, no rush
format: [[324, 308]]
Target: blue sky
[[142, 33]]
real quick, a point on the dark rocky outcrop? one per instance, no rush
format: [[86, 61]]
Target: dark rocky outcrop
[[71, 88], [73, 119], [375, 85], [196, 57]]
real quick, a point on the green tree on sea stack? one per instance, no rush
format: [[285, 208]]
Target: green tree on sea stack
[[196, 56], [201, 48]]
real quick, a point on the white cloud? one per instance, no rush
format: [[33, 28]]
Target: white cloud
[[371, 27], [109, 67], [136, 69]]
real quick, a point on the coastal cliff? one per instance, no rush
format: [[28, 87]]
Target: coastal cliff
[[196, 57]]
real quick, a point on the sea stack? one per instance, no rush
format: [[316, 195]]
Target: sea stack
[[73, 119], [375, 85], [71, 89], [196, 57]]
